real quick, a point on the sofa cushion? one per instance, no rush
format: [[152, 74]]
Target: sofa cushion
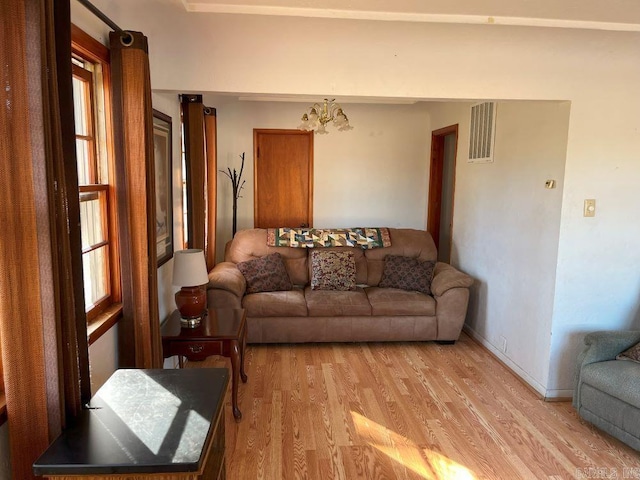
[[323, 303], [333, 270], [395, 302], [405, 242], [358, 255], [252, 243], [289, 303], [265, 274], [407, 273], [618, 379], [632, 354]]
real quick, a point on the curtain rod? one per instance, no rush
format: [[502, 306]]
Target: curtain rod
[[93, 9]]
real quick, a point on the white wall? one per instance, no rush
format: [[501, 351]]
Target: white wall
[[506, 229], [103, 358], [597, 71], [89, 23], [170, 105], [373, 175]]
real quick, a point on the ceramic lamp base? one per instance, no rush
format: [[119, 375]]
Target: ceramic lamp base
[[192, 303]]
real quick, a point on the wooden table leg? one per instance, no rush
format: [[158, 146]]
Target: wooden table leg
[[235, 367], [243, 345]]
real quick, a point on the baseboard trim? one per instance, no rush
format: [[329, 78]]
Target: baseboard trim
[[539, 390], [559, 396]]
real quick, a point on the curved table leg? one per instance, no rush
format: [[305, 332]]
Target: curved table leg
[[243, 345], [235, 367]]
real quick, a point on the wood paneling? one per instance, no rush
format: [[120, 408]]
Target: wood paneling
[[403, 411]]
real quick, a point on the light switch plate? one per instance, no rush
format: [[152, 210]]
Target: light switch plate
[[589, 207]]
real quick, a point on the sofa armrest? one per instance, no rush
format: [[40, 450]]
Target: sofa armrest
[[447, 277], [600, 347], [226, 276]]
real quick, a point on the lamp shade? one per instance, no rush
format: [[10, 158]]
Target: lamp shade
[[189, 268]]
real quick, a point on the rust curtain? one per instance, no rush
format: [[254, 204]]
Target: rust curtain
[[194, 153], [210, 134], [42, 324], [200, 135], [139, 329]]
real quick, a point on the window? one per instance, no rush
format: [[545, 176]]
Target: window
[[96, 182]]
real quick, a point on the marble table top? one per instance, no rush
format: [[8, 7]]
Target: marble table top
[[141, 421]]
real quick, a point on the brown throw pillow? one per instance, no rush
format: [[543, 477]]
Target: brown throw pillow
[[333, 270], [407, 273], [632, 354], [265, 274]]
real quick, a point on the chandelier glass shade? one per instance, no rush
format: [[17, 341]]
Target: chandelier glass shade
[[318, 116]]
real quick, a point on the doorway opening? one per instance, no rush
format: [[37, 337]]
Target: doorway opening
[[444, 145]]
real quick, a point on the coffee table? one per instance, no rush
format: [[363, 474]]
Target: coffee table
[[222, 331]]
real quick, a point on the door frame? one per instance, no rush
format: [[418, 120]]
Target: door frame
[[435, 181], [279, 131]]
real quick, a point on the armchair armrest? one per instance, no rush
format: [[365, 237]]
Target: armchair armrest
[[447, 277], [600, 347], [226, 276], [606, 345]]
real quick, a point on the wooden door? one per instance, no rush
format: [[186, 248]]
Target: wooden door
[[441, 184], [283, 178]]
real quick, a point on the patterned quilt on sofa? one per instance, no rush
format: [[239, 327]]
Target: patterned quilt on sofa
[[364, 238]]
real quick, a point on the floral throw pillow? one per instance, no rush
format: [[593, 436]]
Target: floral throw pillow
[[333, 270], [407, 273], [632, 354], [265, 274]]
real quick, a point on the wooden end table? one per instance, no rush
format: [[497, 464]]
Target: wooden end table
[[223, 331]]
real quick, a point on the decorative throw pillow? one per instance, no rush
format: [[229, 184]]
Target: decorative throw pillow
[[265, 274], [333, 270], [632, 354], [407, 273]]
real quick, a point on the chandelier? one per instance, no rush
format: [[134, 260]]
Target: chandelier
[[320, 115]]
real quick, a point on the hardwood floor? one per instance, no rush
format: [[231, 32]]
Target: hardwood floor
[[405, 411]]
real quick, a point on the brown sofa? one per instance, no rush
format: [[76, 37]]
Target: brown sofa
[[369, 313]]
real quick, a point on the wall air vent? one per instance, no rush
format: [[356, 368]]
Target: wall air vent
[[483, 132]]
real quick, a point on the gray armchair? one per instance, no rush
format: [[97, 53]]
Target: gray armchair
[[607, 391]]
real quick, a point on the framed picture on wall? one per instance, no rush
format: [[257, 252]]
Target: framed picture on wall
[[164, 198]]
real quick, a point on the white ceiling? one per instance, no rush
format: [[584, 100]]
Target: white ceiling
[[622, 15]]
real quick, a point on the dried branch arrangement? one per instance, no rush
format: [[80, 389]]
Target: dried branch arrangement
[[235, 178]]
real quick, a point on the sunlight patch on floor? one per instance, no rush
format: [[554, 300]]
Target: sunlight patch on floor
[[428, 464]]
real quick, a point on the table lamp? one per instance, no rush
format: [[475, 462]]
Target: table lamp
[[190, 273]]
